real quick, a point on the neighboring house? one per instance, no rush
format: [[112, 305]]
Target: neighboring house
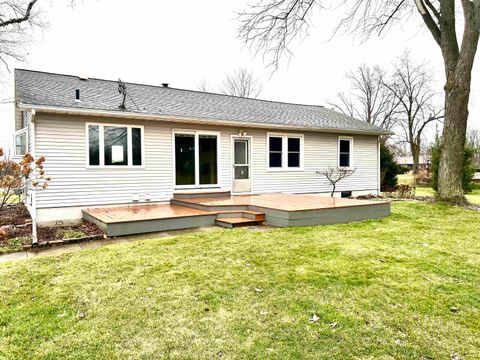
[[476, 165], [169, 140], [424, 161]]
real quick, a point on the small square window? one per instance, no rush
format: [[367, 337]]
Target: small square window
[[21, 143]]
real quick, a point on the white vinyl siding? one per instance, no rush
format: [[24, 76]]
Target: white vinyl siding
[[62, 140]]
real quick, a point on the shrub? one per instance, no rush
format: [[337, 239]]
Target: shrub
[[16, 178], [389, 169], [468, 168]]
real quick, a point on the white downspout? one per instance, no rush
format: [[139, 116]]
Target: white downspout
[[33, 213], [378, 167]]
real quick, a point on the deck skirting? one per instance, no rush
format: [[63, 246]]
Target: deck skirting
[[281, 210]]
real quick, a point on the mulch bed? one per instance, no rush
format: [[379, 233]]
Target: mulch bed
[[56, 232], [14, 215], [16, 222]]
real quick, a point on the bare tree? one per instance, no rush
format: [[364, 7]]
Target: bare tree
[[410, 86], [335, 174], [473, 138], [202, 85], [271, 25], [17, 20], [241, 83], [369, 99]]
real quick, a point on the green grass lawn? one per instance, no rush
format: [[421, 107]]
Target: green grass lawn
[[473, 197], [404, 287]]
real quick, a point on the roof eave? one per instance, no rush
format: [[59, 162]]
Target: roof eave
[[190, 120]]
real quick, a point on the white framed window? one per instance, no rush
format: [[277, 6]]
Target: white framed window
[[114, 145], [285, 151], [196, 158], [345, 152], [20, 141]]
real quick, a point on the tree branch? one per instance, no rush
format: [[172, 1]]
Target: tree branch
[[23, 18]]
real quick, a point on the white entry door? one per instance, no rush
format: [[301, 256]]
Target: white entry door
[[241, 165]]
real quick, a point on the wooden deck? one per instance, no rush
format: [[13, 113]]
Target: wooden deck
[[282, 202], [121, 214], [274, 209]]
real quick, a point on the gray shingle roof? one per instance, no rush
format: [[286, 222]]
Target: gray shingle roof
[[55, 90]]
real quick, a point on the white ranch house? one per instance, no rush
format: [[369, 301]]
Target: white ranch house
[[169, 141]]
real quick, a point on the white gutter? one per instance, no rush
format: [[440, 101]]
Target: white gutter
[[187, 120]]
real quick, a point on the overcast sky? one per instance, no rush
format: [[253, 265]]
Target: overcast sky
[[183, 42]]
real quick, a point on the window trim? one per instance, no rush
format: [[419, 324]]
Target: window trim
[[197, 184], [349, 138], [15, 134], [101, 145], [285, 137]]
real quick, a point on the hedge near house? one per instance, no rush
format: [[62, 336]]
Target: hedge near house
[[468, 168], [389, 169]]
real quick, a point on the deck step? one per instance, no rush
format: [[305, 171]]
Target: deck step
[[248, 214], [203, 194], [237, 222]]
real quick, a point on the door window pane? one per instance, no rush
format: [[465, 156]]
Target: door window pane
[[207, 151], [115, 145], [241, 172], [241, 152], [185, 159], [275, 151], [93, 145], [136, 146]]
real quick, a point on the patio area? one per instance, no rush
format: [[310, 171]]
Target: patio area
[[225, 210]]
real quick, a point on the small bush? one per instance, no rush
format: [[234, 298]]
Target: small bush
[[404, 191], [468, 168]]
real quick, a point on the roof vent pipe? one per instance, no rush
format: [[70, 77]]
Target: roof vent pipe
[[77, 94], [165, 84]]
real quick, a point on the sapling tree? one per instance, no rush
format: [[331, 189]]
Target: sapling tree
[[335, 174], [18, 178]]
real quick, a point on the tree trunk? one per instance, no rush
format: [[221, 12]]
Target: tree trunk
[[415, 150], [457, 93]]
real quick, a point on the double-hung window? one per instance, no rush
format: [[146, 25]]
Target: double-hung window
[[285, 151], [345, 152], [114, 145]]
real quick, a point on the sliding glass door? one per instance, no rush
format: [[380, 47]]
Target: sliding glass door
[[185, 159], [196, 159]]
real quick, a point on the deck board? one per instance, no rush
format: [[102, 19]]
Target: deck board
[[120, 214], [283, 202]]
